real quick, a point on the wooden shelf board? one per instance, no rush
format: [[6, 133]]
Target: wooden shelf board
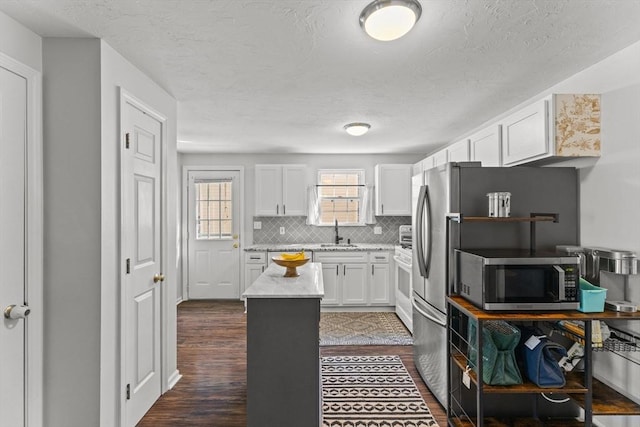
[[574, 383], [607, 401], [471, 310], [518, 422]]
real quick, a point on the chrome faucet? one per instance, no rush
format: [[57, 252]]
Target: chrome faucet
[[338, 238]]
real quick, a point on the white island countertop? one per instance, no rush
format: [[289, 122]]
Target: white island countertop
[[273, 284]]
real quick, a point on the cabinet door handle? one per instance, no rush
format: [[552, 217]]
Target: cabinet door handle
[[284, 209], [382, 206], [263, 268], [372, 269], [344, 270], [337, 271], [277, 209]]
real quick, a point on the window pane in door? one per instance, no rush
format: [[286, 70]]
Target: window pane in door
[[214, 214]]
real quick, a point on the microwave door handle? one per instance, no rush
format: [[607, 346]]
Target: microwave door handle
[[419, 230], [561, 282], [427, 204]]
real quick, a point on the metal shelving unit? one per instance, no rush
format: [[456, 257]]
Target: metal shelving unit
[[595, 397]]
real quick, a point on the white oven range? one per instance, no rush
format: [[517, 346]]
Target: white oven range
[[404, 308]]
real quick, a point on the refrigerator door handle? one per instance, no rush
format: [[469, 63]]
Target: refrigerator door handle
[[423, 206], [427, 315]]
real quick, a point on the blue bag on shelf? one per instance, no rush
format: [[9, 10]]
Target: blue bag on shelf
[[540, 359]]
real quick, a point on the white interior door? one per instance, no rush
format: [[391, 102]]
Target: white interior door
[[13, 331], [142, 240], [214, 220]]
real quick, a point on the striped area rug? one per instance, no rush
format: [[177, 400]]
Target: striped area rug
[[371, 391]]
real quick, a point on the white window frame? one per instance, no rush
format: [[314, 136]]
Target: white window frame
[[361, 184]]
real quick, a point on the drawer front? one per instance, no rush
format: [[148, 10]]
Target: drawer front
[[340, 257], [255, 257], [381, 257]]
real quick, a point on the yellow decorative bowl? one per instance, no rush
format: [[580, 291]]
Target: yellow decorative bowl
[[291, 265]]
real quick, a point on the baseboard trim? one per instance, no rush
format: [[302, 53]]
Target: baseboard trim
[[173, 379]]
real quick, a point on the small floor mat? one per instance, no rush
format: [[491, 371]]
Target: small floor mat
[[362, 328]]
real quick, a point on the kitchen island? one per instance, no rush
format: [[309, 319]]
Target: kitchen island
[[283, 354]]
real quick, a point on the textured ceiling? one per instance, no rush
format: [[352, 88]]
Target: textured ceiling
[[286, 75]]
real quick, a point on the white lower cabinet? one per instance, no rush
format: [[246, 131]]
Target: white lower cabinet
[[380, 289], [355, 278], [330, 277], [254, 265], [354, 284]]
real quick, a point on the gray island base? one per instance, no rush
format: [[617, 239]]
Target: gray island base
[[283, 353]]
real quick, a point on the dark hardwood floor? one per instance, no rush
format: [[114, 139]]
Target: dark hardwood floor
[[212, 354]]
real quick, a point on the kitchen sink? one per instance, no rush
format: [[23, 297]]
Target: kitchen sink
[[337, 245]]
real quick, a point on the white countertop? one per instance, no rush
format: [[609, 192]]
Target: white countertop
[[273, 284], [318, 247]]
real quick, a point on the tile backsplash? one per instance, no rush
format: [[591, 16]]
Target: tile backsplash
[[297, 231]]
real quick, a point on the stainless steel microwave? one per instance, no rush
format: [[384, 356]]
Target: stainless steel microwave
[[506, 279]]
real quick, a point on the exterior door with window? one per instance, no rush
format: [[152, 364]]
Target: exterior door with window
[[213, 240]]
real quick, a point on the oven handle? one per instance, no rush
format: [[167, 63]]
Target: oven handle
[[402, 263], [427, 315]]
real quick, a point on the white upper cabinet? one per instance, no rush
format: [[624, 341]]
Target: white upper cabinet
[[423, 165], [393, 190], [458, 152], [525, 134], [440, 158], [485, 146], [562, 125], [280, 190]]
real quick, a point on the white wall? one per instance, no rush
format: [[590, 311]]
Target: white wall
[[20, 43], [82, 80], [72, 231]]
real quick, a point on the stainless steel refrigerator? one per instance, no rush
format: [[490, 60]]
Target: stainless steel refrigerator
[[462, 188]]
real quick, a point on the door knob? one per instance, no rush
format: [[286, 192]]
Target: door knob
[[16, 311], [158, 278], [235, 245]]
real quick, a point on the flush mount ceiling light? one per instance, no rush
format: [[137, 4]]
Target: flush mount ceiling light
[[387, 20], [357, 129]]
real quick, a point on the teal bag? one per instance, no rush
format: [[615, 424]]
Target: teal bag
[[500, 340]]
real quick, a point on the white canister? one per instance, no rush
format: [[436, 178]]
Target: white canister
[[499, 204], [493, 204], [504, 204]]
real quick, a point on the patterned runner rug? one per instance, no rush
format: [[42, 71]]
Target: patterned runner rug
[[371, 391], [362, 328]]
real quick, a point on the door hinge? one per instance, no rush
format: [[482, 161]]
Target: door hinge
[[128, 391], [126, 140], [128, 267]]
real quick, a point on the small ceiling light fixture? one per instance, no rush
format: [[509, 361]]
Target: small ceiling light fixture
[[387, 20], [357, 129]]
